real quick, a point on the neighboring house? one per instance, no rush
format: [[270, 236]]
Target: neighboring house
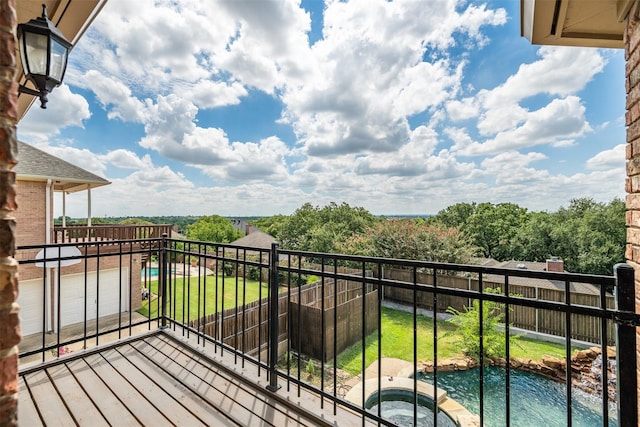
[[256, 239], [38, 176], [553, 290]]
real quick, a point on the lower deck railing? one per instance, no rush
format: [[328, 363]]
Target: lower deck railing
[[326, 323]]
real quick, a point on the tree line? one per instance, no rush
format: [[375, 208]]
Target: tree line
[[588, 236]]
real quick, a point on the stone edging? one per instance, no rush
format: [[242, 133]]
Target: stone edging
[[398, 375], [583, 376]]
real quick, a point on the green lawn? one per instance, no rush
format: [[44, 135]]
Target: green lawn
[[186, 297], [397, 342], [397, 326]]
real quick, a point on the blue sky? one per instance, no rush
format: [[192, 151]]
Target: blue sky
[[244, 108]]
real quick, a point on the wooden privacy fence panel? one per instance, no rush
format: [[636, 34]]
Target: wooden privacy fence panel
[[345, 320], [584, 328], [246, 329]]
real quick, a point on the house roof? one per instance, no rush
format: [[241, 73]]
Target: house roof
[[589, 23], [256, 239], [72, 18], [556, 285], [36, 165]]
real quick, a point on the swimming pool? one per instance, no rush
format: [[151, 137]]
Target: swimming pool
[[149, 272], [535, 400], [397, 406]]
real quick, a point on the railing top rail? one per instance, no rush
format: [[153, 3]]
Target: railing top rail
[[465, 268], [81, 244], [113, 225]]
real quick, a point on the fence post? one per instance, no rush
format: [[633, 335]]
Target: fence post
[[273, 320], [163, 265], [626, 374]]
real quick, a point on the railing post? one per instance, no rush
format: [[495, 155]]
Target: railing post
[[164, 267], [626, 374], [273, 319]]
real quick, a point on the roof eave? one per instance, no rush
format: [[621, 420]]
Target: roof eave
[[542, 23], [65, 184]]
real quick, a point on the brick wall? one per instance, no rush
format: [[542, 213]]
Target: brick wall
[[632, 185], [30, 215], [10, 334]]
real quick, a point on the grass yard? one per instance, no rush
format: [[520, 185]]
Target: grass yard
[[397, 342], [186, 295]]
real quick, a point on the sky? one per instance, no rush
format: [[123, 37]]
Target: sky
[[253, 108]]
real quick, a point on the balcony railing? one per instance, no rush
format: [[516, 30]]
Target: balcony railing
[[294, 314], [105, 232]]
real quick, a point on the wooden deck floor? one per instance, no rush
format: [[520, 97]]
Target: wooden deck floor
[[156, 380]]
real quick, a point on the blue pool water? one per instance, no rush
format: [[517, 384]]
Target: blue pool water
[[153, 271], [397, 406], [535, 400]]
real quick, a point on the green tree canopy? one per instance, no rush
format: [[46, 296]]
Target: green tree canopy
[[135, 221], [270, 225], [455, 215], [590, 236], [493, 227], [213, 228], [408, 239], [322, 229]]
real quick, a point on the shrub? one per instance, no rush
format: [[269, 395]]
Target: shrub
[[468, 331]]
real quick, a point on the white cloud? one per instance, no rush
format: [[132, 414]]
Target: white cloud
[[559, 122], [113, 93], [207, 94], [378, 112], [64, 109], [370, 76], [262, 161], [126, 159], [561, 71], [462, 109], [83, 157], [613, 158]]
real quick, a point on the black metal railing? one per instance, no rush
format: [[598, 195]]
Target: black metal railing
[[297, 314], [107, 232]]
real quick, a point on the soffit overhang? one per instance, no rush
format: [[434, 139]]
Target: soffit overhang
[[586, 23], [72, 17]]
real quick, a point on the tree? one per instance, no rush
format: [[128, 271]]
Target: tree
[[455, 215], [591, 236], [322, 229], [408, 239], [135, 221], [493, 227], [270, 225], [213, 228], [533, 240]]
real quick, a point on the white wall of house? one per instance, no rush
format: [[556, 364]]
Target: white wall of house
[[111, 297]]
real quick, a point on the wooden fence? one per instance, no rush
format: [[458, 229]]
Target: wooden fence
[[343, 324], [246, 329], [584, 328]]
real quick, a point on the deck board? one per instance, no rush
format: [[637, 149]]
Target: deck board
[[140, 406], [180, 405], [81, 407], [47, 400], [108, 402], [27, 412], [245, 406], [160, 379]]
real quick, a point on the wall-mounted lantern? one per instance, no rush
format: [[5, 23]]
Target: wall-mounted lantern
[[44, 52]]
